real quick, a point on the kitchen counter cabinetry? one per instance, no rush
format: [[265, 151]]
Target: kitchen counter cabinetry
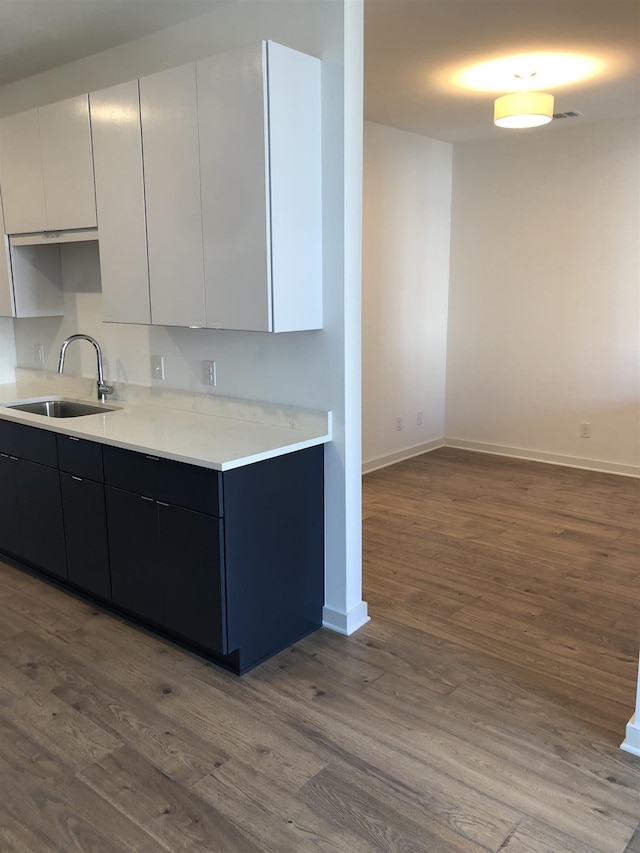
[[229, 564], [32, 530], [167, 561], [46, 168], [83, 505]]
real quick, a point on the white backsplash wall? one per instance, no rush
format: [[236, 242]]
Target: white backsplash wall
[[7, 350], [406, 231]]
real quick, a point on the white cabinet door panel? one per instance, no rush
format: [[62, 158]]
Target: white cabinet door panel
[[117, 150], [6, 281], [67, 163], [172, 183], [21, 174], [233, 153], [295, 159]]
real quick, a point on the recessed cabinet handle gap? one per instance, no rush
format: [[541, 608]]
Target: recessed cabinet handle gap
[[5, 455], [144, 498], [15, 458], [73, 438], [162, 503], [79, 479], [153, 458]]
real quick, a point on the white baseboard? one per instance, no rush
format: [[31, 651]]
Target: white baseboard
[[632, 741], [502, 450], [550, 458], [401, 455], [345, 623]]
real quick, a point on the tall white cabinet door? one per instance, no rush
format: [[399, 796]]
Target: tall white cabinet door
[[67, 164], [295, 173], [6, 280], [21, 174], [232, 114], [117, 152], [168, 107]]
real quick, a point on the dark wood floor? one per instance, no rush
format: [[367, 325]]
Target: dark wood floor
[[480, 710]]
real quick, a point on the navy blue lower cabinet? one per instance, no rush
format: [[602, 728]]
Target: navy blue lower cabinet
[[229, 565], [85, 528], [10, 530], [134, 553], [40, 509], [274, 551], [31, 528], [193, 577]]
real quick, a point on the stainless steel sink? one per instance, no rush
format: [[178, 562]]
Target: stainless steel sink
[[62, 408]]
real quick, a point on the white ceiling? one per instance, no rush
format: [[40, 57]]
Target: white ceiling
[[412, 48], [37, 35]]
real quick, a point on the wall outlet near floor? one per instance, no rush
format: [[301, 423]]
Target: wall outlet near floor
[[399, 423], [157, 367], [419, 418], [209, 375], [585, 430], [39, 350]]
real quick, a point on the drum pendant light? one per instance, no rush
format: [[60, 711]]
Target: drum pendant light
[[523, 109]]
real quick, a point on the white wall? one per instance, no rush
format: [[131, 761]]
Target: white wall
[[544, 295], [312, 369], [7, 351], [406, 233]]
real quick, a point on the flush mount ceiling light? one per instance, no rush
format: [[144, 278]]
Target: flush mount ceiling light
[[523, 109]]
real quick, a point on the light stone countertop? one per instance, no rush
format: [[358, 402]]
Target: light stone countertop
[[213, 432]]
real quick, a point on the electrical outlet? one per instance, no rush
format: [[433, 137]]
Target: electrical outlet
[[209, 376], [585, 430], [39, 349], [419, 418], [399, 423], [157, 367]]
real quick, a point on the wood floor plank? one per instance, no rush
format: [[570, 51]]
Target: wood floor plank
[[176, 817], [277, 820], [634, 842], [115, 708], [53, 809], [356, 808], [533, 836]]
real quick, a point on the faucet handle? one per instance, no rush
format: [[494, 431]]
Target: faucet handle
[[103, 389]]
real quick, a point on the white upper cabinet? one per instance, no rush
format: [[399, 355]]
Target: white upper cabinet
[[21, 175], [67, 164], [209, 193], [6, 282], [169, 112], [117, 153], [46, 168], [259, 113]]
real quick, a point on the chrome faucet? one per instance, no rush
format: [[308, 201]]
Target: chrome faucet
[[103, 389]]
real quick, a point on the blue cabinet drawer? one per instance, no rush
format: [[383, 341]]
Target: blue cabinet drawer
[[31, 443], [80, 457], [175, 483]]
